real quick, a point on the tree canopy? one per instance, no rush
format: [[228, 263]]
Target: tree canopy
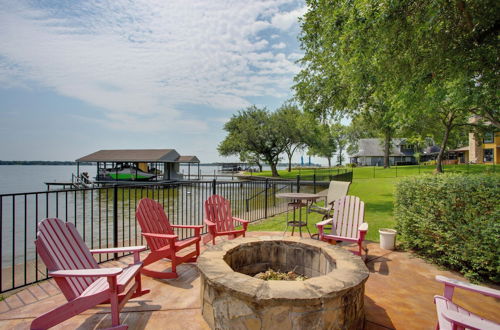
[[255, 131], [415, 61]]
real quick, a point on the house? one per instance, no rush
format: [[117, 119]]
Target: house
[[371, 153], [484, 150]]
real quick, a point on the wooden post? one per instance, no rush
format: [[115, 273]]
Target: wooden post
[[115, 219]]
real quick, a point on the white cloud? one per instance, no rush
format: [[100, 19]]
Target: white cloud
[[286, 20], [137, 61], [280, 45]]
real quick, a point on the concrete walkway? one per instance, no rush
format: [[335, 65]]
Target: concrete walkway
[[398, 295]]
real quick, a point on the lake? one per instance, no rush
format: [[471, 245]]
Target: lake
[[30, 178], [92, 211]]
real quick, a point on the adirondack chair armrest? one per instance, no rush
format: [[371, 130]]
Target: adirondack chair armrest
[[134, 249], [243, 222], [323, 223], [164, 236], [451, 283], [363, 227], [320, 226], [119, 249], [197, 229], [209, 223], [465, 320], [186, 226], [93, 272]]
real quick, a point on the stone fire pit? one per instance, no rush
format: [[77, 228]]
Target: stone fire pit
[[331, 297]]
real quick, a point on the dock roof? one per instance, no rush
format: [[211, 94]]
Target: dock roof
[[187, 159], [132, 155]]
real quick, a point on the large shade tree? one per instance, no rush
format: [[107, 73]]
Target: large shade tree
[[323, 144], [257, 132], [296, 127], [425, 60]]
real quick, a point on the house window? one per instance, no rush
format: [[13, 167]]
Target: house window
[[488, 155], [488, 137]]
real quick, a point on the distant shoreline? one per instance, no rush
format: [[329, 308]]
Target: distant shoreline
[[38, 162], [62, 163], [48, 162]]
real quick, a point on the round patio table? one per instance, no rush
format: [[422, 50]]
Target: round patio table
[[298, 200]]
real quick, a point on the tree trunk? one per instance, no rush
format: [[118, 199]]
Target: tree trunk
[[387, 149], [329, 162], [439, 159], [289, 162], [260, 166], [274, 170], [340, 158]]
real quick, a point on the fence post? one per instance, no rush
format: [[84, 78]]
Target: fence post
[[314, 181], [274, 194], [298, 183], [115, 219], [266, 197], [214, 186]]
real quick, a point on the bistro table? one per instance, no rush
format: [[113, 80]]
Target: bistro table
[[297, 201]]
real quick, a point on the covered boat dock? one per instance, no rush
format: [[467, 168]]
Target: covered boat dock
[[138, 165]]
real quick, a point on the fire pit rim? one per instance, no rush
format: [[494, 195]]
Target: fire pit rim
[[349, 272]]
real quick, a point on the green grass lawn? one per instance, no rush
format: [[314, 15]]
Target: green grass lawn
[[375, 172], [377, 195], [374, 185]]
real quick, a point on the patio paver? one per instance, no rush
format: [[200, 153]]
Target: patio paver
[[398, 295]]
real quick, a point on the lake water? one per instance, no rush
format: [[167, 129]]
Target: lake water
[[30, 178]]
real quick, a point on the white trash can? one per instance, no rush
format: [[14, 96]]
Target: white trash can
[[387, 238]]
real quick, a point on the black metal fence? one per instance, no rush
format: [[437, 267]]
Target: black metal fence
[[105, 216]]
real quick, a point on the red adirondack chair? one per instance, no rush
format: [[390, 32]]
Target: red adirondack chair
[[347, 223], [219, 219], [162, 240], [79, 277], [452, 316]]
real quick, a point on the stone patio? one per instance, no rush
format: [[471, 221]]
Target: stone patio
[[398, 295]]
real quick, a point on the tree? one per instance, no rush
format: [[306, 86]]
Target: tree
[[324, 144], [293, 125], [423, 60], [257, 132], [251, 158], [340, 134]]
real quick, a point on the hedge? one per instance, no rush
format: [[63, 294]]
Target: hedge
[[452, 220]]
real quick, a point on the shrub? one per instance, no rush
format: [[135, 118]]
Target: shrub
[[453, 220]]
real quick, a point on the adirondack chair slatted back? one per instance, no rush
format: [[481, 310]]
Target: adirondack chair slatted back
[[218, 210], [153, 219], [62, 248], [349, 213], [336, 190]]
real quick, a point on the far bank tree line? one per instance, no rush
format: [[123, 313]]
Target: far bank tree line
[[259, 136]]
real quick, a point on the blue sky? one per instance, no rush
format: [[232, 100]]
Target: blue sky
[[79, 76]]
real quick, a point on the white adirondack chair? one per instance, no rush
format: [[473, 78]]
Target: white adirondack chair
[[347, 223], [452, 316], [336, 190]]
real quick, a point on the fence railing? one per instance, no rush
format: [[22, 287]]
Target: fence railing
[[105, 216]]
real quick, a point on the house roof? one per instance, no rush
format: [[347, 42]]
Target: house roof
[[431, 150], [375, 148], [466, 148], [132, 155]]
